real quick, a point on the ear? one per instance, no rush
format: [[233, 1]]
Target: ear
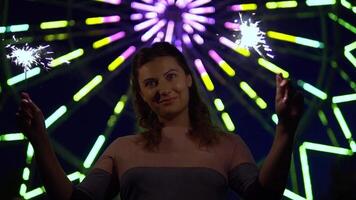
[[189, 80]]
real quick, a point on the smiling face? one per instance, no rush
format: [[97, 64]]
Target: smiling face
[[164, 86]]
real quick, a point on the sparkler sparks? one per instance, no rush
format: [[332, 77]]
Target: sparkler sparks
[[252, 37], [28, 57]]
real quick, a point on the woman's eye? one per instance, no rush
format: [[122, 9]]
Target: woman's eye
[[170, 76], [150, 83]]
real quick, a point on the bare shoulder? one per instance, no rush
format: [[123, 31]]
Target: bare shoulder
[[124, 141]]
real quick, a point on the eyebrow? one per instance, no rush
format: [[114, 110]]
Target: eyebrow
[[147, 79]]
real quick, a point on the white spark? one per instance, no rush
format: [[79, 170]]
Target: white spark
[[28, 57], [252, 37]]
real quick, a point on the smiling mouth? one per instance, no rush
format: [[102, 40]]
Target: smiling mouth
[[167, 100]]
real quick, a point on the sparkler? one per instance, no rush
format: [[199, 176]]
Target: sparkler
[[27, 57], [252, 37]]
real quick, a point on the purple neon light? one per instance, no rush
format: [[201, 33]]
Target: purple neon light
[[117, 36], [188, 28], [202, 10], [115, 2], [186, 40], [145, 24], [170, 2], [178, 44], [111, 19], [181, 4], [153, 30], [198, 3], [145, 7], [148, 1], [198, 39], [170, 31], [198, 18], [136, 16], [195, 25], [199, 65], [227, 42], [151, 15], [215, 56], [128, 52], [232, 26]]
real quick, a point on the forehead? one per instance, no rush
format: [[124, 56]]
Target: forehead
[[158, 66]]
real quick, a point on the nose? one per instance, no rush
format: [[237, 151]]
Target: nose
[[163, 90]]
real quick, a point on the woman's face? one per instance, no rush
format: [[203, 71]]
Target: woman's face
[[164, 86]]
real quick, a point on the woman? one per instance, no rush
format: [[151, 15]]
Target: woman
[[181, 155]]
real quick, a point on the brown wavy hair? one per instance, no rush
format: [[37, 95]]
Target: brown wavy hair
[[203, 131]]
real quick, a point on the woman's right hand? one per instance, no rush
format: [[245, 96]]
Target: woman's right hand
[[30, 119]]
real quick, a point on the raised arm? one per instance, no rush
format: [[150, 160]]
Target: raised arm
[[289, 108], [31, 122]]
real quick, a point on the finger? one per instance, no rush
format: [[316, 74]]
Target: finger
[[279, 89]]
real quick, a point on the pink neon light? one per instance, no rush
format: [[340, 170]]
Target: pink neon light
[[236, 7], [170, 2], [153, 30], [195, 25], [111, 19], [198, 18], [198, 3], [148, 1], [136, 16], [232, 26], [186, 40], [145, 24], [170, 31], [150, 15], [117, 36], [181, 3], [115, 2], [202, 10], [199, 64], [215, 56], [128, 52], [160, 35], [188, 28], [227, 42], [145, 7], [197, 38]]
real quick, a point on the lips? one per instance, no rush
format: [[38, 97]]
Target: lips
[[167, 100]]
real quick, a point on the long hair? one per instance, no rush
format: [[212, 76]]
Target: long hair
[[203, 131]]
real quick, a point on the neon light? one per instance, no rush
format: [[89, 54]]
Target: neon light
[[107, 40], [219, 104], [204, 75], [295, 39], [119, 60], [196, 25], [170, 31], [320, 2], [281, 4], [275, 118], [55, 116], [305, 171], [26, 174], [198, 39], [244, 7], [102, 20], [344, 98], [222, 63], [18, 28], [60, 36], [342, 22], [327, 148], [21, 77], [12, 137], [29, 153], [2, 29], [292, 195], [23, 189], [248, 90], [202, 10], [227, 121], [341, 120], [34, 193], [145, 24], [120, 105], [312, 90], [88, 88], [272, 67], [94, 151], [145, 37], [55, 24], [323, 118], [67, 57], [234, 46], [115, 2], [348, 54], [261, 103]]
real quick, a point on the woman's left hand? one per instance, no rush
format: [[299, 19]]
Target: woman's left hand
[[289, 104]]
